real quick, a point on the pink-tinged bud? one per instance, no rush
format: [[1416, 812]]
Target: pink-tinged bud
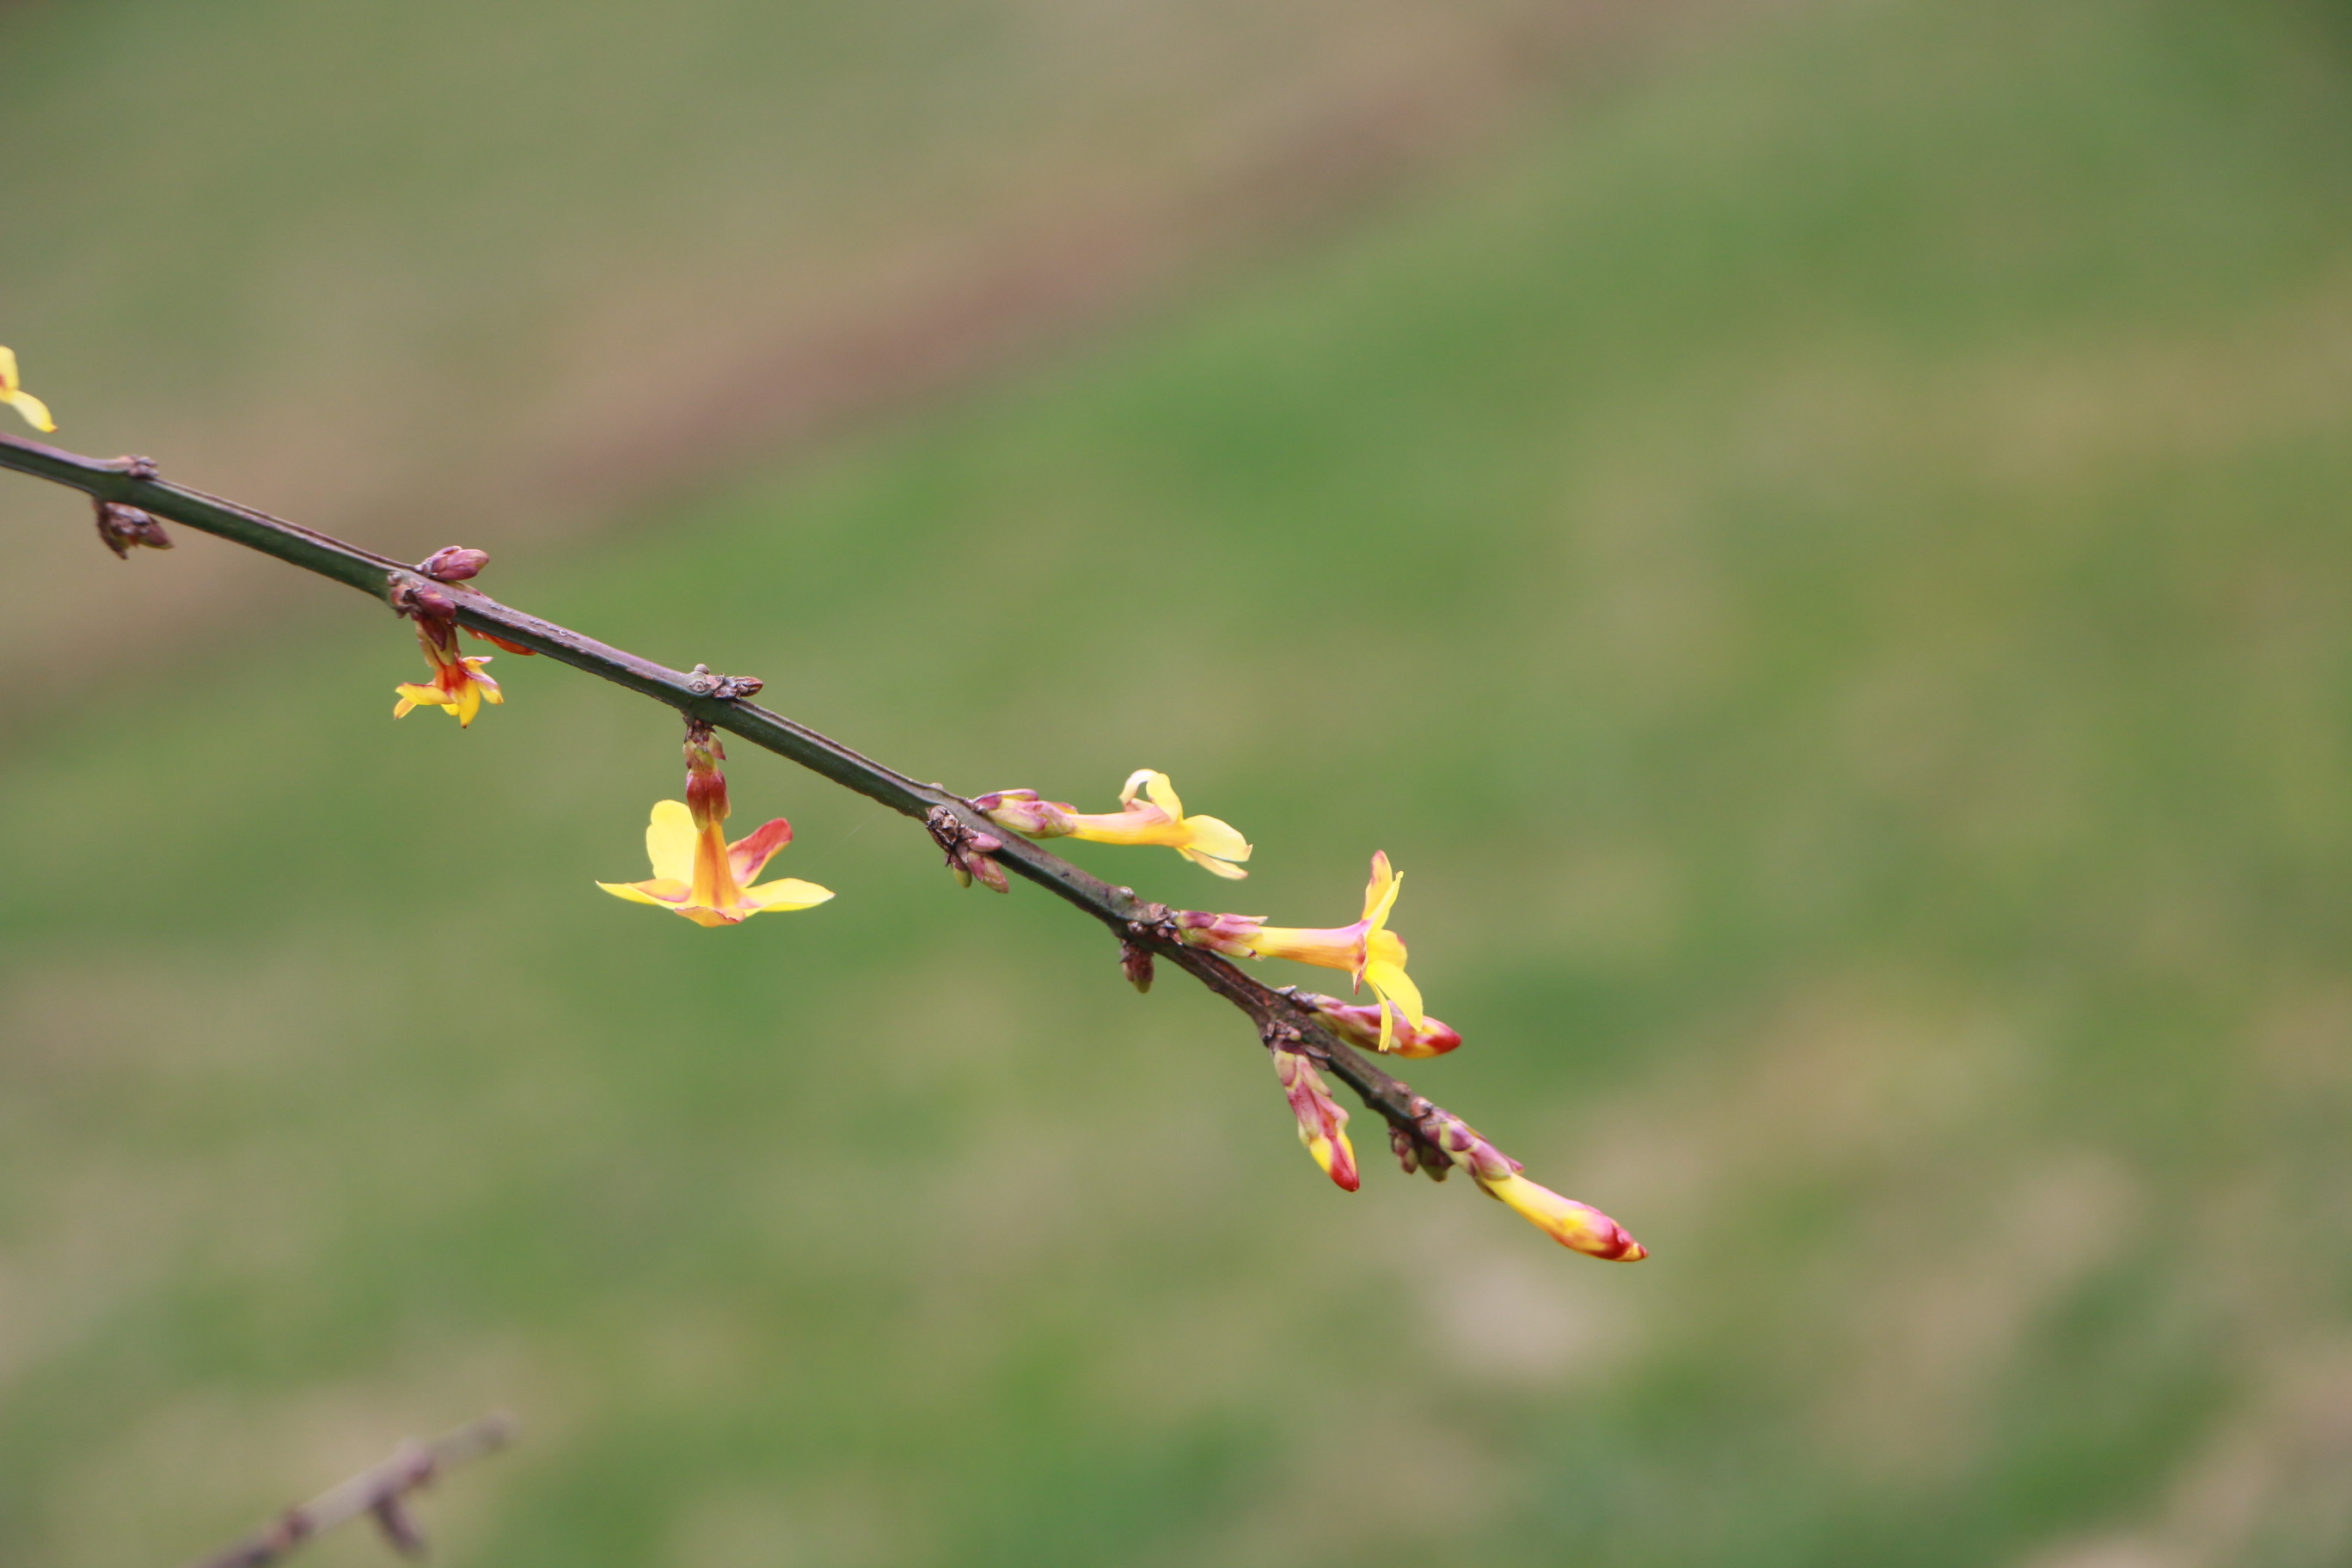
[[1459, 1141], [454, 565], [985, 870], [1360, 1025], [1026, 812], [1136, 961], [1579, 1226], [1322, 1122], [1231, 935], [968, 853]]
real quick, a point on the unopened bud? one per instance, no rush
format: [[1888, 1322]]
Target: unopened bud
[[1573, 1225], [454, 565], [1322, 1122], [123, 528], [1227, 935], [1026, 812], [1136, 964], [1359, 1024]]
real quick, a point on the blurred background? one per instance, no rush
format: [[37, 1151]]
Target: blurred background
[[1812, 531]]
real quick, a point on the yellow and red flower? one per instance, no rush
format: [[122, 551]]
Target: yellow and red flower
[[458, 684], [1359, 1024], [36, 412], [1322, 1122], [696, 873], [1367, 949], [1158, 818]]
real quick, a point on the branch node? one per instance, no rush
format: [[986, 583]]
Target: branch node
[[968, 853], [725, 688], [131, 467]]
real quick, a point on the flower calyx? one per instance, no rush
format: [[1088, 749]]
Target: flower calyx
[[1158, 817], [970, 854], [1578, 1226], [696, 873], [123, 528]]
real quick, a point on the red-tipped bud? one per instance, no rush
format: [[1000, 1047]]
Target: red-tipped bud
[[1229, 935], [1579, 1226], [1026, 812], [1359, 1024], [1322, 1123], [454, 565]]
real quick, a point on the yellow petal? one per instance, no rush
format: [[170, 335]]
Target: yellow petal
[[36, 411], [8, 382], [637, 894], [706, 917], [400, 709], [1225, 868], [1390, 982], [1380, 892], [669, 841], [1213, 837], [1135, 781], [1160, 792], [785, 894]]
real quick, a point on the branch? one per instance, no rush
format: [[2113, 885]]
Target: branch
[[382, 1491], [132, 482]]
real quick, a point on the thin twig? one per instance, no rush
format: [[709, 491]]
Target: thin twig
[[131, 481], [382, 1491]]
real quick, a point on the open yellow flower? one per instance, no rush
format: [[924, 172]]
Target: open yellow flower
[[13, 392], [696, 873], [1367, 949], [1158, 818], [458, 685], [699, 875]]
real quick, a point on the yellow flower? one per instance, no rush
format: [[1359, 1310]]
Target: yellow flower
[[458, 685], [12, 392], [696, 873], [1367, 949], [699, 875], [1158, 818]]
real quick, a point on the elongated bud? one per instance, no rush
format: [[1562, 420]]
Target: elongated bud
[[1026, 812], [1573, 1225], [1360, 1025], [1229, 935], [454, 565], [705, 786], [1136, 961], [1322, 1122]]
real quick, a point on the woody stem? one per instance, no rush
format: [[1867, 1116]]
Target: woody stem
[[128, 482]]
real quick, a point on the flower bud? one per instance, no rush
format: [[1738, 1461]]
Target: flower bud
[[1322, 1122], [123, 528], [1359, 1024], [1136, 963], [1026, 812], [454, 565], [1573, 1225]]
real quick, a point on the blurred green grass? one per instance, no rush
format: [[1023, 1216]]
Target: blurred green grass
[[1827, 571]]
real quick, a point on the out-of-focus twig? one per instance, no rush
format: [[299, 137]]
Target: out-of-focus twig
[[382, 1492]]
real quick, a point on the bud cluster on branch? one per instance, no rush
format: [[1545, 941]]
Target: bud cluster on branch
[[699, 874]]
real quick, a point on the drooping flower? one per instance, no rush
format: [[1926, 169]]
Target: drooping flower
[[1359, 1024], [1578, 1227], [36, 412], [1322, 1120], [1158, 818], [458, 685], [1367, 949], [696, 873]]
